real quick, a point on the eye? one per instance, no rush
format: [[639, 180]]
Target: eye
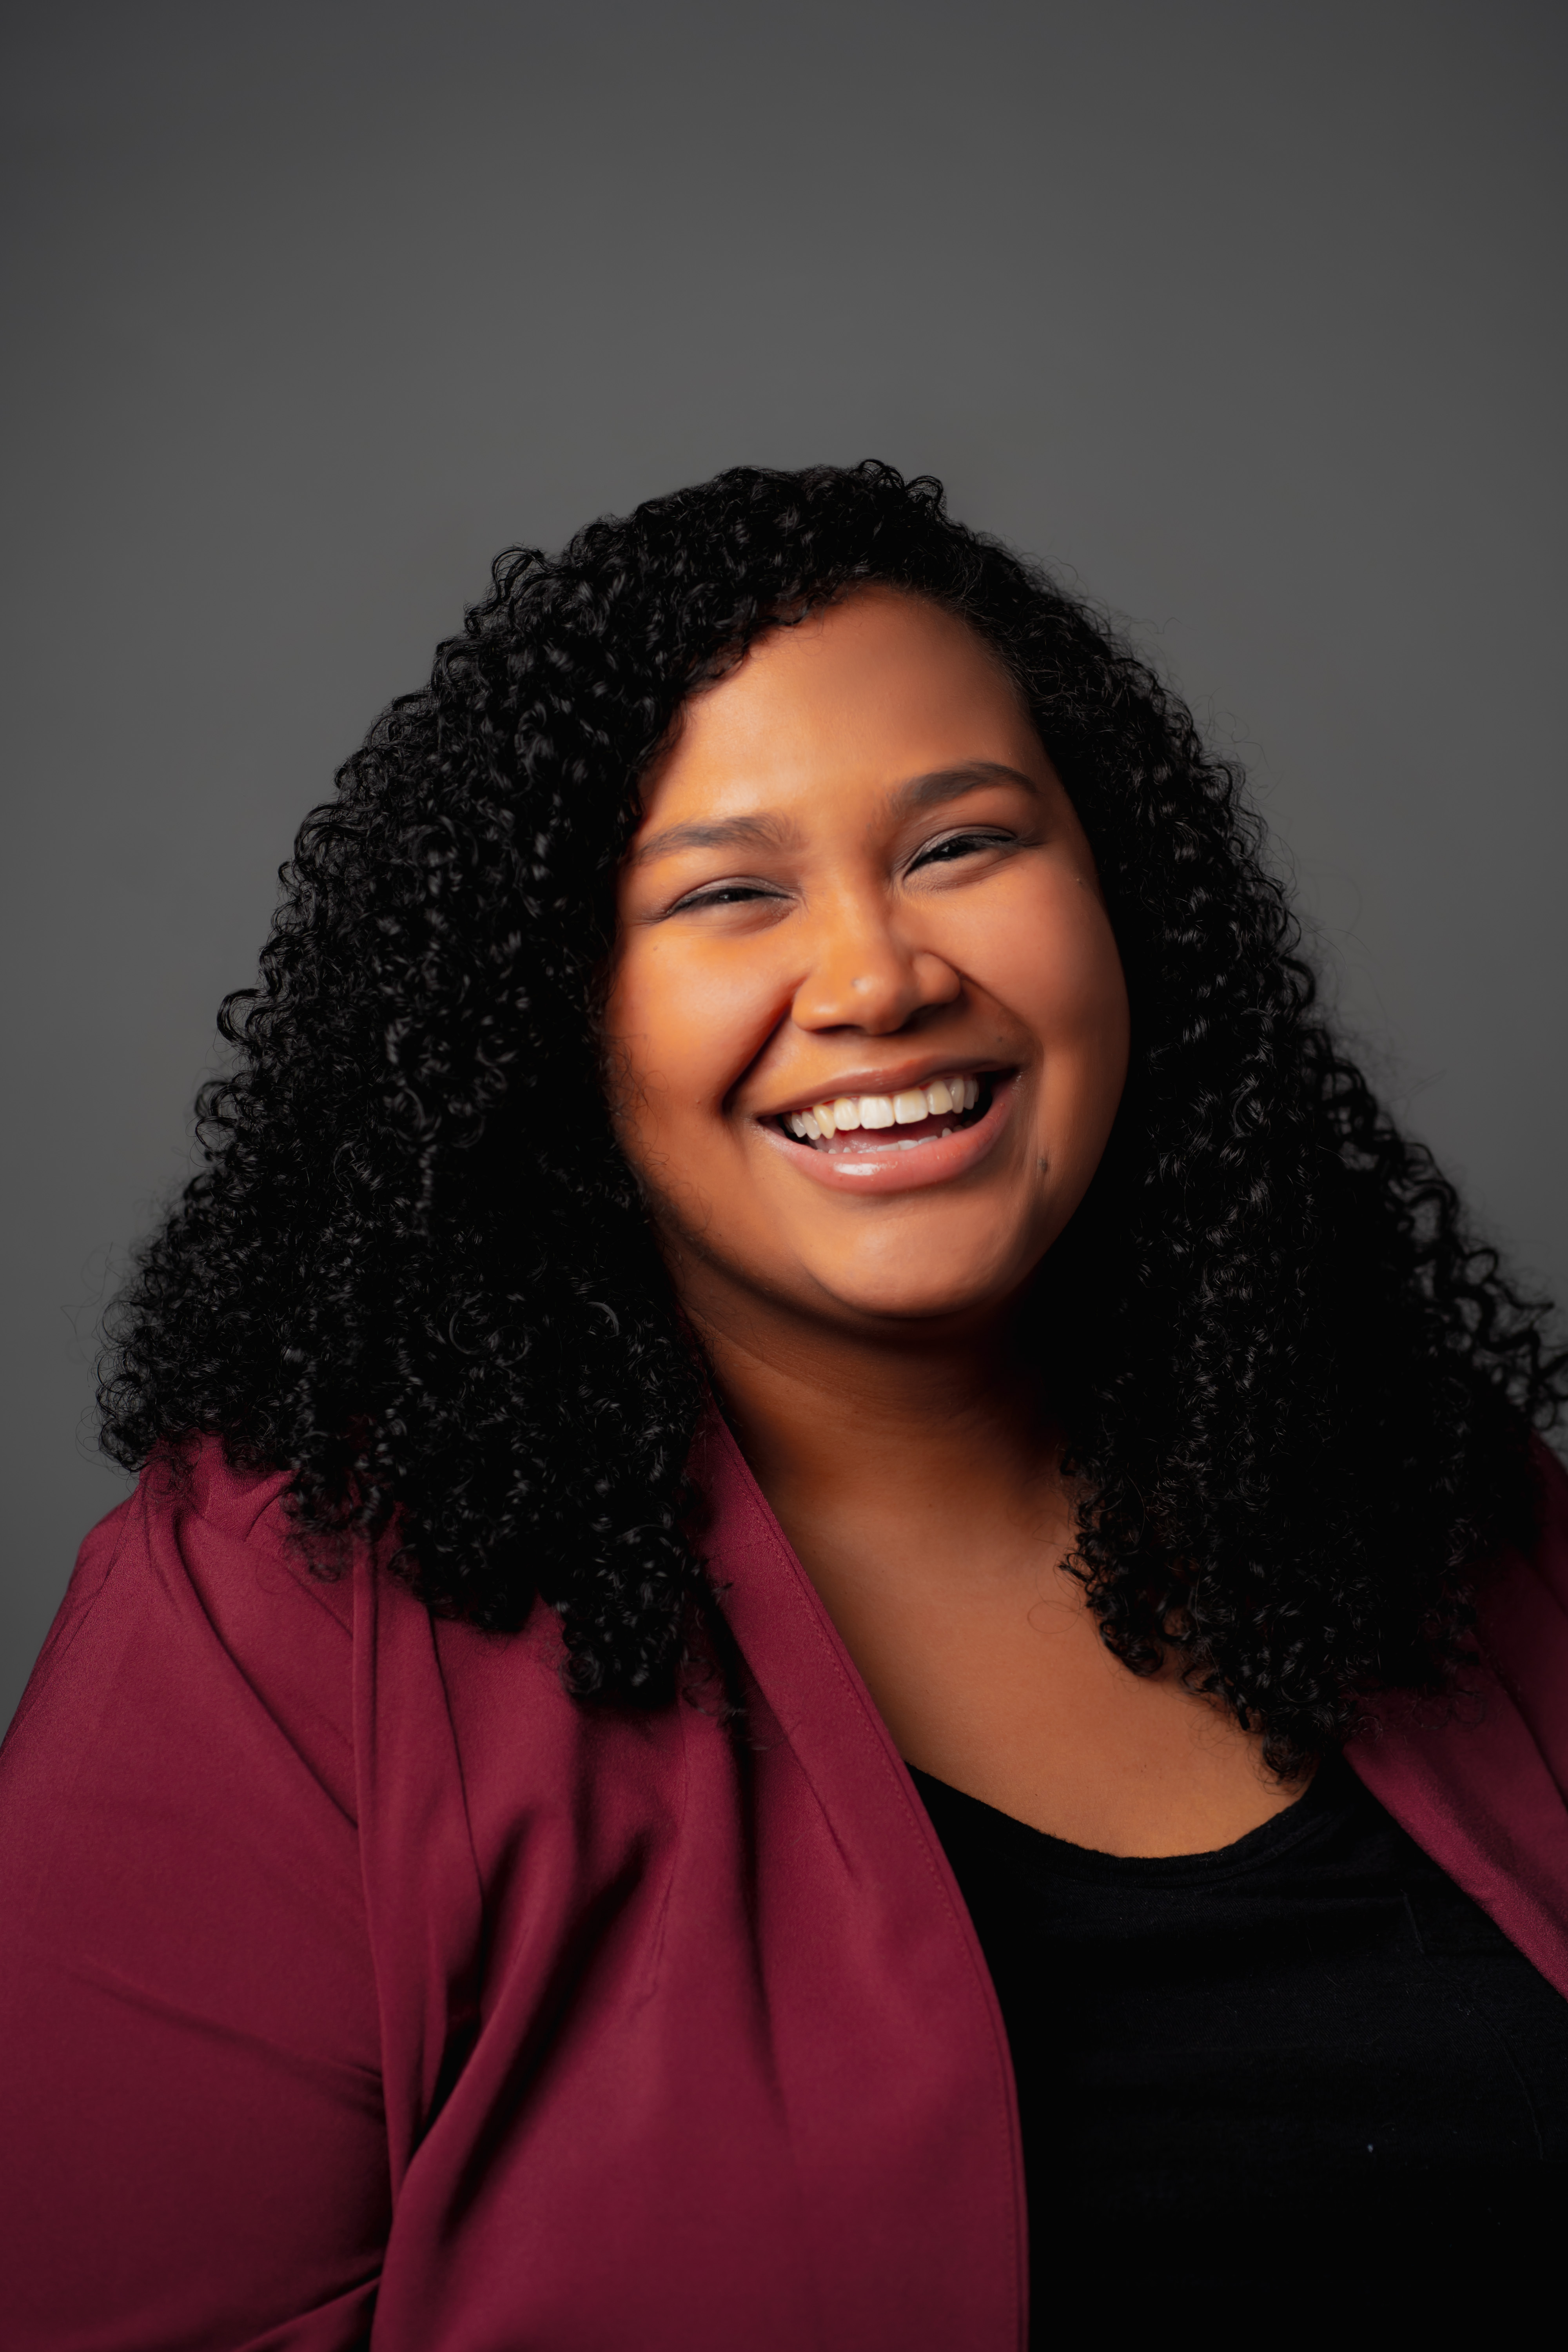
[[952, 846], [723, 894]]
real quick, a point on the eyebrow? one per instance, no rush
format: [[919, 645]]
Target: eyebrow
[[950, 784], [907, 799], [764, 832]]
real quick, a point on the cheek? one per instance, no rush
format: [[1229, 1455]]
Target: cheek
[[1054, 964], [683, 1023], [1050, 958]]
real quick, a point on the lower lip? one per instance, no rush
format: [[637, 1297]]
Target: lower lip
[[938, 1162]]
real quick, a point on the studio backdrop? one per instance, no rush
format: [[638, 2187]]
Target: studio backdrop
[[1247, 318]]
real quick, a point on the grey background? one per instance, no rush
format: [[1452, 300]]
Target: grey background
[[1247, 316]]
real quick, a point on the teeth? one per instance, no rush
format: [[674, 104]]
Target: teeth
[[844, 1113]]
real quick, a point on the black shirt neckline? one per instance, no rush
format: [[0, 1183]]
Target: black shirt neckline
[[1331, 1790]]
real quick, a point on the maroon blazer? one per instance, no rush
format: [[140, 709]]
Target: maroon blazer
[[355, 1984]]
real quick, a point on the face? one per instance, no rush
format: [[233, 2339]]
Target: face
[[868, 1023]]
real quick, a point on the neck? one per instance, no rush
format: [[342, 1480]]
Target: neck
[[825, 1412]]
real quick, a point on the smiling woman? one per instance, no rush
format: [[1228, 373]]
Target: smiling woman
[[918, 906], [840, 1594]]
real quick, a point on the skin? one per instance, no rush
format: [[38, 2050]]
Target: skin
[[857, 870]]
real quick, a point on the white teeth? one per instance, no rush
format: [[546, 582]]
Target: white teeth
[[907, 1107]]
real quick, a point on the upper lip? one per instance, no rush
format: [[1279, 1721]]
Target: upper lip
[[893, 1077]]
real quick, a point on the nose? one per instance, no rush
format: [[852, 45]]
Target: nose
[[863, 975]]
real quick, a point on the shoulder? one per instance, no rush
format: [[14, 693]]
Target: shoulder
[[194, 1602], [1524, 1619], [184, 1935]]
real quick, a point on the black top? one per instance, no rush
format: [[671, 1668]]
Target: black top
[[1313, 2031]]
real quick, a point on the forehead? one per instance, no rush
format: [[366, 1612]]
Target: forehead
[[874, 690]]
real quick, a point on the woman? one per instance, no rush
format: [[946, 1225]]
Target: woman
[[840, 1580]]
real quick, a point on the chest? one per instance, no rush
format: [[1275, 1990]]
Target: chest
[[996, 1680], [1314, 2033]]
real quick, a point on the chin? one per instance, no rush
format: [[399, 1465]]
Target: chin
[[934, 1270], [897, 1299]]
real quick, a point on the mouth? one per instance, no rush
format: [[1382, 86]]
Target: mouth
[[864, 1126], [900, 1142]]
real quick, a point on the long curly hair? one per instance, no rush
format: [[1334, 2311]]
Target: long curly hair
[[415, 1271]]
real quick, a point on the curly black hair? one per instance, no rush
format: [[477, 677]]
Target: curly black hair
[[416, 1273]]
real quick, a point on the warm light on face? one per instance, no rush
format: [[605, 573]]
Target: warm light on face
[[867, 1012]]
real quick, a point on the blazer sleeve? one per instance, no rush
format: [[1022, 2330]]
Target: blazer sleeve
[[193, 2151]]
